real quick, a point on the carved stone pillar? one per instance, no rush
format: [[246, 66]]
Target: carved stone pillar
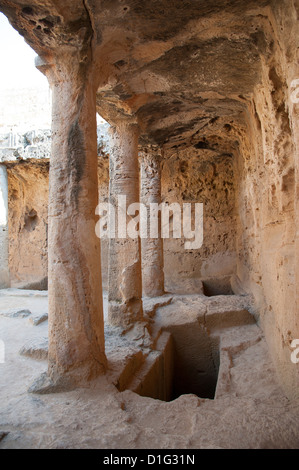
[[76, 328], [151, 248], [125, 285]]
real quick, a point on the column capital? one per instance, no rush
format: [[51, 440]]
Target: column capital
[[68, 66], [122, 123], [43, 64], [150, 153]]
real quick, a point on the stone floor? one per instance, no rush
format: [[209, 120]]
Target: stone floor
[[249, 410]]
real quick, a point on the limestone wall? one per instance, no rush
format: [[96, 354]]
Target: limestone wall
[[190, 175], [206, 176], [28, 213], [243, 168], [28, 225], [266, 201], [193, 175], [26, 154]]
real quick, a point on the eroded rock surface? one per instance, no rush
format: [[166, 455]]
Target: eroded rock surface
[[249, 409], [215, 89]]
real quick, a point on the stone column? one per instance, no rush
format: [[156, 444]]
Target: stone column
[[4, 240], [124, 271], [76, 329], [294, 115], [151, 248]]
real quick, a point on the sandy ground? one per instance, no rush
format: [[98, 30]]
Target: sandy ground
[[250, 412]]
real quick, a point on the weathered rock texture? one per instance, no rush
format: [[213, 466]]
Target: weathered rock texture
[[202, 173], [26, 158], [28, 223], [125, 284], [249, 410], [267, 194], [75, 290], [17, 145], [151, 248], [214, 76], [4, 238]]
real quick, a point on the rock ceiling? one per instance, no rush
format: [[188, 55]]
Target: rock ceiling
[[183, 69]]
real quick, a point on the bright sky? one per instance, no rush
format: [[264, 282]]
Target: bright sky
[[17, 60]]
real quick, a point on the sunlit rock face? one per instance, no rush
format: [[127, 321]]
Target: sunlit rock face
[[213, 84], [4, 239]]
